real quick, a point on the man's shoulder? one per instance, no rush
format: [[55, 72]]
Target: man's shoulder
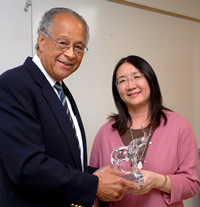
[[19, 78], [15, 71]]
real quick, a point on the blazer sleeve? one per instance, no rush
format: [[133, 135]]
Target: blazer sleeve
[[27, 165]]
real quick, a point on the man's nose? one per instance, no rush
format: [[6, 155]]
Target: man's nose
[[70, 52]]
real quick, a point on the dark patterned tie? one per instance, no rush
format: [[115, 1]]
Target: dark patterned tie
[[61, 94]]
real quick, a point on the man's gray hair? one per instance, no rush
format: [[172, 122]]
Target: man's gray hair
[[47, 19]]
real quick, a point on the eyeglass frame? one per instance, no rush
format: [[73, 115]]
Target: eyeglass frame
[[68, 46], [127, 78]]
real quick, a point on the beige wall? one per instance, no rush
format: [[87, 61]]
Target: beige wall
[[196, 83], [183, 7], [15, 35], [170, 44]]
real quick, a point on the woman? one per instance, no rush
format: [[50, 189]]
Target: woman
[[169, 162]]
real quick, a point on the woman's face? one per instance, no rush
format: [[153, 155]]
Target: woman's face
[[132, 86]]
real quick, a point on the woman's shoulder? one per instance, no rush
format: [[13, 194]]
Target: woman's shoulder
[[176, 118], [107, 126], [106, 131]]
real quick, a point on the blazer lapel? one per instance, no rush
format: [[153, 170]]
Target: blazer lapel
[[58, 111]]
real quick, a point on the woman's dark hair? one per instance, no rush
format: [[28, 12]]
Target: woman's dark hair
[[156, 106]]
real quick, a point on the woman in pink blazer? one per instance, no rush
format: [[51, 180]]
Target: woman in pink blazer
[[169, 161]]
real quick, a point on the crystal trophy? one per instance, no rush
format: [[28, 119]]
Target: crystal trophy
[[130, 156]]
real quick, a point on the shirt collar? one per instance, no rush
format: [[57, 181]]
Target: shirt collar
[[37, 61]]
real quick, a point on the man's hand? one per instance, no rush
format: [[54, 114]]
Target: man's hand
[[111, 186]]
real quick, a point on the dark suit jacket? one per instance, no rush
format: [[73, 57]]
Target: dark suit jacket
[[39, 154]]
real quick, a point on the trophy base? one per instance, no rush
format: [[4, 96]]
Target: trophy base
[[136, 177]]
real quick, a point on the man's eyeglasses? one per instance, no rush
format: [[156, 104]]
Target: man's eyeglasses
[[134, 77], [64, 44]]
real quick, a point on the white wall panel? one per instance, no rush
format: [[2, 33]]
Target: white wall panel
[[15, 35]]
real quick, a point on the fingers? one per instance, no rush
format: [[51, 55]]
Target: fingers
[[108, 169], [111, 186], [130, 187]]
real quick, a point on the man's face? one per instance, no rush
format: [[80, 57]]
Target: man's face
[[61, 63]]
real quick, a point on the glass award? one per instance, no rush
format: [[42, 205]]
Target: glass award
[[129, 158]]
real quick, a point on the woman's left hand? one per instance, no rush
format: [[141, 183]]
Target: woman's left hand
[[151, 180]]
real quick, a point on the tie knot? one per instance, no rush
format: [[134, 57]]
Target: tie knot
[[58, 86]]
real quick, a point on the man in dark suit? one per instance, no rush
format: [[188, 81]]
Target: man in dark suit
[[43, 157]]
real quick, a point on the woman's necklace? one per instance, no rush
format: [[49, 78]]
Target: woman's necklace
[[140, 165]]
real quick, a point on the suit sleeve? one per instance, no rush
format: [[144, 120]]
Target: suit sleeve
[[22, 151]]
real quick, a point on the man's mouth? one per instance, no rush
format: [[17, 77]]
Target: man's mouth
[[65, 63]]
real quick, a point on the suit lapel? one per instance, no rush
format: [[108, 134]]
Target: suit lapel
[[57, 109]]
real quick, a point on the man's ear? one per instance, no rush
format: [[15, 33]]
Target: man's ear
[[41, 41]]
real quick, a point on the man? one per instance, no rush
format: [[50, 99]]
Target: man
[[43, 157]]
